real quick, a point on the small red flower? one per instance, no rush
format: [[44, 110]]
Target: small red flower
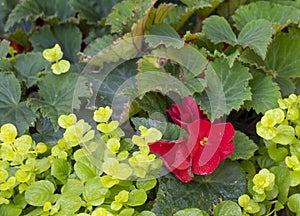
[[208, 143]]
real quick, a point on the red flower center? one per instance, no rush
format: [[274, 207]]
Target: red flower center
[[203, 141]]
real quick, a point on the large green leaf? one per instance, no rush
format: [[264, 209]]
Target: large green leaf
[[11, 109], [35, 9], [257, 35], [227, 208], [40, 192], [265, 93], [277, 14], [227, 88], [60, 169], [45, 132], [68, 36], [163, 34], [56, 96], [93, 10], [69, 203], [244, 148], [228, 182], [218, 30], [28, 66]]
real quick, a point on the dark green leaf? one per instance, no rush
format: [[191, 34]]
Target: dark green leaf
[[28, 67], [11, 109], [45, 132], [57, 96], [163, 34], [6, 7], [67, 36], [93, 10], [34, 9], [265, 93], [227, 182], [244, 147]]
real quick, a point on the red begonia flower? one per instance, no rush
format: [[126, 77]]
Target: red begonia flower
[[210, 144], [186, 113]]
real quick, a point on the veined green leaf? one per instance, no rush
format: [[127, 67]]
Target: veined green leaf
[[69, 203], [99, 44], [9, 210], [6, 7], [244, 147], [265, 93], [60, 169], [227, 207], [218, 30], [40, 192], [275, 13], [4, 48], [227, 88], [68, 36], [256, 35], [56, 96], [11, 109], [28, 67]]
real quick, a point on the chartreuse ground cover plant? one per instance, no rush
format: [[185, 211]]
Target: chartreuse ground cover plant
[[149, 107]]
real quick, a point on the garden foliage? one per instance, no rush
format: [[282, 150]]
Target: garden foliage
[[68, 149]]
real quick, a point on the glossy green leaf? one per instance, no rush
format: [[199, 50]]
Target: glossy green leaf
[[40, 192], [265, 93], [163, 34], [92, 185], [275, 13], [227, 183], [11, 109], [28, 67], [294, 203], [218, 30], [227, 88], [56, 96], [137, 197], [191, 212], [69, 203], [170, 131], [9, 210], [85, 170], [72, 185], [60, 169], [32, 8], [227, 208], [282, 180], [257, 35], [69, 37], [244, 148]]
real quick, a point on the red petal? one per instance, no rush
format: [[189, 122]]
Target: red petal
[[225, 150], [183, 175], [207, 168], [161, 147], [223, 132]]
